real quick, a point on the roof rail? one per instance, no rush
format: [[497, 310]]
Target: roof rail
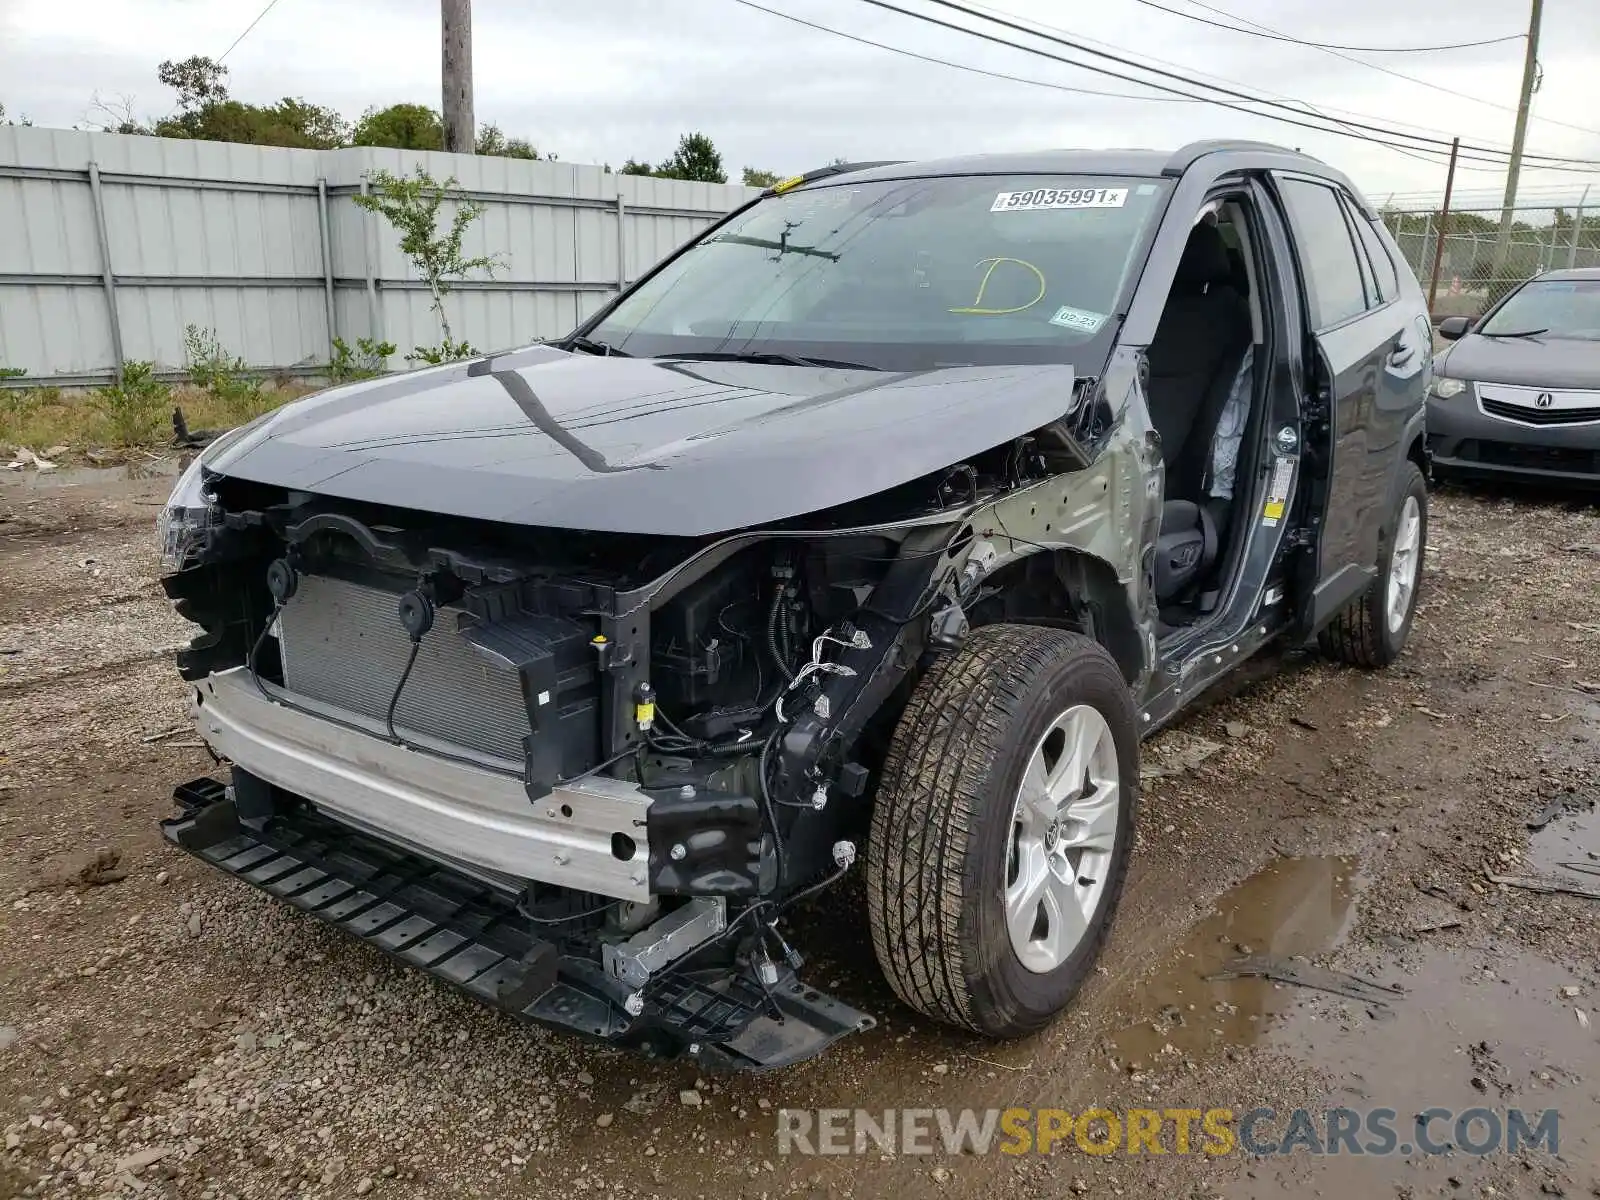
[[1185, 158], [823, 172]]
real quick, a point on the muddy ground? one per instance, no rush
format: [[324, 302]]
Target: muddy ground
[[167, 1032]]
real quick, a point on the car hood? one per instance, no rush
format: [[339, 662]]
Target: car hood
[[673, 447], [1546, 363]]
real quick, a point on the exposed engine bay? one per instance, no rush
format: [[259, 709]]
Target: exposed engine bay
[[641, 752]]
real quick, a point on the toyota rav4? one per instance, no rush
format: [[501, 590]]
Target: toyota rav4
[[879, 522]]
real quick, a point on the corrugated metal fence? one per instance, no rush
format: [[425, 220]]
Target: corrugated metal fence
[[111, 245]]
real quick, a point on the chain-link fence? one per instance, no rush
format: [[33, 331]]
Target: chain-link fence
[[1477, 266]]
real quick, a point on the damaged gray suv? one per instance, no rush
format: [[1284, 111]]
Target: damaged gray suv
[[880, 522]]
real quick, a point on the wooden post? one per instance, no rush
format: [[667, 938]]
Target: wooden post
[[1444, 224], [460, 135]]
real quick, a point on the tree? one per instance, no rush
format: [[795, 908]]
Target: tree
[[401, 126], [199, 81], [695, 158], [115, 115], [761, 179], [492, 142], [290, 122], [634, 167], [321, 127], [411, 205], [206, 112]]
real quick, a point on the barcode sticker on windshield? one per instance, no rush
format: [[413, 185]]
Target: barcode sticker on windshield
[[1060, 198]]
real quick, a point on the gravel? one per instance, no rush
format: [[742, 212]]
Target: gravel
[[172, 1033]]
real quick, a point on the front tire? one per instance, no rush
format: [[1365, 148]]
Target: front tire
[[1003, 828], [1373, 630]]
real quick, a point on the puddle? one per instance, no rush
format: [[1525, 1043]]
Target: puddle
[[1490, 1028], [1294, 907], [32, 480], [1568, 849]]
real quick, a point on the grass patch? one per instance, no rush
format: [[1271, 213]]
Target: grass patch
[[132, 409], [44, 418], [136, 412]]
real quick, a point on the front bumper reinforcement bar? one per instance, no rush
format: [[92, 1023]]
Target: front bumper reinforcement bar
[[471, 935]]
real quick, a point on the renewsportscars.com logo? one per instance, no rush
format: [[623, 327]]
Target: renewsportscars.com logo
[[1212, 1131]]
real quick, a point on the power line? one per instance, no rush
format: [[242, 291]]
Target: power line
[[1203, 76], [1418, 155], [1348, 131], [1321, 111], [248, 28], [1078, 45], [1438, 87], [1350, 128], [945, 62], [1266, 31], [1283, 37]]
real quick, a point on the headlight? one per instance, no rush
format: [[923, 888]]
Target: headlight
[[1444, 387], [186, 522]]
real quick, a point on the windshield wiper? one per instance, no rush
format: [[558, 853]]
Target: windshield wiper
[[590, 346], [763, 356], [1521, 333]]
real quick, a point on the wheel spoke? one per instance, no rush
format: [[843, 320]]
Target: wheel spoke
[[1064, 920], [1083, 739], [1094, 820], [1023, 897], [1036, 809], [1067, 772]]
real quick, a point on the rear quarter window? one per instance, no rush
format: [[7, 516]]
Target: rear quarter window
[[1383, 269]]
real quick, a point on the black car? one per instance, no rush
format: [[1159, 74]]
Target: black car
[[1518, 395], [893, 511]]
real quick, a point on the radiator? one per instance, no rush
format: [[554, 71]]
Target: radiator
[[342, 644]]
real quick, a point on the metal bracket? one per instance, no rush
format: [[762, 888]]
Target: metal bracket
[[667, 940]]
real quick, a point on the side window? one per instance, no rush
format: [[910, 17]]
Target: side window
[[1369, 285], [1327, 253], [1383, 271]]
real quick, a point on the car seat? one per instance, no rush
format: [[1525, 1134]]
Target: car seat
[[1194, 359]]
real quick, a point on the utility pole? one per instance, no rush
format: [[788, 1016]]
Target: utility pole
[[1444, 224], [459, 133], [1530, 72]]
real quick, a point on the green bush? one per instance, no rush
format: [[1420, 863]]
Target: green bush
[[16, 406], [134, 411], [448, 351], [364, 362], [225, 377]]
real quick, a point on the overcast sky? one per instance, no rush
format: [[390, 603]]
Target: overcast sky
[[603, 80]]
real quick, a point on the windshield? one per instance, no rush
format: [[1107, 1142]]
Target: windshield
[[1553, 308], [904, 274]]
